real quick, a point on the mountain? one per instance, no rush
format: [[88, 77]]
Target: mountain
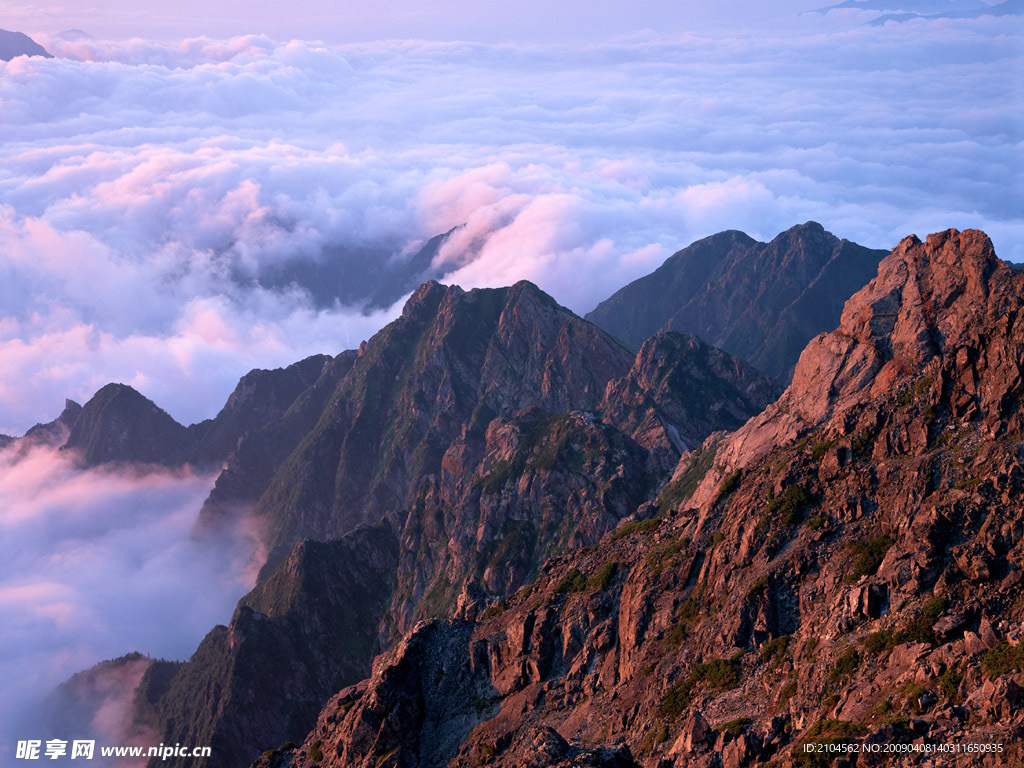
[[917, 7], [453, 362], [14, 44], [118, 424], [761, 302], [844, 567], [1006, 8], [464, 445], [54, 433], [304, 632]]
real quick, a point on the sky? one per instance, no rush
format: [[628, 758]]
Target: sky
[[156, 173], [524, 21]]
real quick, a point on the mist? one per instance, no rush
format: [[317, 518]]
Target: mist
[[98, 563]]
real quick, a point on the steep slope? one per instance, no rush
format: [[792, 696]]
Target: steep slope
[[260, 397], [761, 302], [261, 449], [845, 567]]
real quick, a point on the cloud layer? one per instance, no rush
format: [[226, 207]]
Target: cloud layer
[[147, 191], [94, 564]]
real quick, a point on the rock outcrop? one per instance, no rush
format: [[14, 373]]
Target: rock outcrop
[[761, 302]]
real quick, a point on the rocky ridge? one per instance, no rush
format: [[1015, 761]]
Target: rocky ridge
[[761, 302]]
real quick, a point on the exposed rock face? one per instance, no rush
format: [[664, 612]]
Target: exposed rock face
[[938, 315], [852, 574], [14, 44], [761, 302], [680, 390]]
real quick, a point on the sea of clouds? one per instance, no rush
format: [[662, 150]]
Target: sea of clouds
[[145, 188]]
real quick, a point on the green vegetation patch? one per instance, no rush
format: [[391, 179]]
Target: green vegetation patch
[[775, 651], [636, 526], [862, 443], [865, 556], [734, 727], [730, 483], [879, 642], [919, 630], [573, 581], [495, 610], [679, 490], [819, 450], [1003, 659], [790, 505], [605, 576], [663, 556], [844, 668], [715, 675]]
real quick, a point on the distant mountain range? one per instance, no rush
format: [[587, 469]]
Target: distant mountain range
[[500, 537], [905, 10], [19, 44]]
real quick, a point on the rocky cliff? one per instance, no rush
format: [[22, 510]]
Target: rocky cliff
[[844, 567], [761, 302]]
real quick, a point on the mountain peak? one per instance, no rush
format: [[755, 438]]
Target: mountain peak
[[120, 425], [761, 302], [935, 327]]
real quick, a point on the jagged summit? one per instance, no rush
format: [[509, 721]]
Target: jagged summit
[[120, 425], [941, 311]]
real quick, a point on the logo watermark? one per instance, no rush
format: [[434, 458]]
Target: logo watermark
[[83, 749]]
